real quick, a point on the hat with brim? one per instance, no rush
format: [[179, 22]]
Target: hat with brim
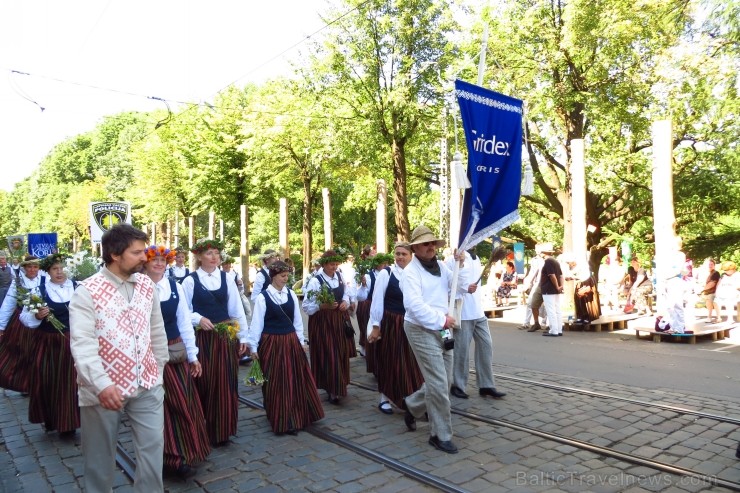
[[544, 248], [30, 260], [422, 234]]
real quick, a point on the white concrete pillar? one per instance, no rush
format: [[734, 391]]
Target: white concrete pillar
[[328, 240]]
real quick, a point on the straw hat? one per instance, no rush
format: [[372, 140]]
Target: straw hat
[[423, 234]]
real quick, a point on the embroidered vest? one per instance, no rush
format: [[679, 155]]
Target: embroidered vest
[[123, 332]]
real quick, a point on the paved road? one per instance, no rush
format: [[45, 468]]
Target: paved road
[[492, 457]]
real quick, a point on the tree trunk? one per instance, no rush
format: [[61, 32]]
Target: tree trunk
[[400, 203]]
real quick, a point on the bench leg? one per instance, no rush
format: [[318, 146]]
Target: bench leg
[[656, 337], [692, 340]]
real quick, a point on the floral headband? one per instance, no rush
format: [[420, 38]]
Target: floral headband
[[278, 267], [382, 258], [332, 256], [160, 251], [206, 244], [49, 261]]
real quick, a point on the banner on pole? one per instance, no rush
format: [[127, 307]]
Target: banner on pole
[[42, 244], [493, 133], [105, 215], [519, 257]]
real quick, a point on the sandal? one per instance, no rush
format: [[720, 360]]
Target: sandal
[[385, 407]]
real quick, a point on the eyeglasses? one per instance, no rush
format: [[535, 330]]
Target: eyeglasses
[[428, 243]]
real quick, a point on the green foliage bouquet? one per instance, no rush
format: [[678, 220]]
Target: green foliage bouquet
[[323, 295], [34, 303], [255, 376], [81, 265]]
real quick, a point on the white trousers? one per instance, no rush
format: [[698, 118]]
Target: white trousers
[[554, 313]]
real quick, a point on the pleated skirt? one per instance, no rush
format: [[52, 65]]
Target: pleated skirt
[[363, 317], [330, 351], [397, 370], [290, 396], [218, 385], [53, 397], [15, 361], [185, 437]]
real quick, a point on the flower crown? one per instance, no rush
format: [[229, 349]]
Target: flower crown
[[202, 245], [382, 258], [160, 251], [333, 256], [47, 262]]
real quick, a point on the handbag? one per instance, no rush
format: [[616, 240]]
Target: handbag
[[177, 351], [349, 331]]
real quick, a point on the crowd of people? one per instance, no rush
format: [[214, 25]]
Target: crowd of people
[[149, 337]]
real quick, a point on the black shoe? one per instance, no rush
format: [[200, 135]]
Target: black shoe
[[560, 335], [459, 393], [66, 435], [333, 399], [444, 446], [534, 328], [547, 334], [491, 391], [737, 452], [185, 472], [245, 361], [385, 407], [410, 420]]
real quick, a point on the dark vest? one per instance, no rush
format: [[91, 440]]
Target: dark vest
[[268, 279], [374, 276], [214, 305], [278, 318], [393, 301], [338, 291], [60, 310], [169, 312], [179, 279]]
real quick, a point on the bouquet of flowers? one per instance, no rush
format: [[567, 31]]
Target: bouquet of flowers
[[362, 267], [255, 376], [323, 295], [81, 265], [34, 303], [230, 329]]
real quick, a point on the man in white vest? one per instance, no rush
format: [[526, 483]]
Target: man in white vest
[[119, 346]]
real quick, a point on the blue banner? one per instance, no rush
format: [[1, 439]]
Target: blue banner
[[42, 244], [493, 134]]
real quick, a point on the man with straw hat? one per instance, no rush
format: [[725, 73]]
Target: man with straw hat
[[428, 324]]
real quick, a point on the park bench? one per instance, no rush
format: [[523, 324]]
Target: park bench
[[498, 311], [645, 329]]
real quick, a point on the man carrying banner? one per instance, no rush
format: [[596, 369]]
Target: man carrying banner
[[426, 287]]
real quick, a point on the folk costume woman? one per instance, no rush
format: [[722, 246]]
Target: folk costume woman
[[179, 271], [53, 379], [213, 301], [289, 392], [397, 370], [365, 297], [331, 347], [185, 438], [15, 342]]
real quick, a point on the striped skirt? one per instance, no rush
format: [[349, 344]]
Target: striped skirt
[[397, 371], [218, 385], [330, 351], [363, 317], [290, 396], [185, 436], [15, 348], [53, 383]]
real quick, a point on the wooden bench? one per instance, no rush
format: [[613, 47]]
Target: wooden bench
[[608, 323], [715, 331], [498, 311]]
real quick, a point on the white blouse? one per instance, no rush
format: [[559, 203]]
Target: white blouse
[[184, 325], [212, 282], [260, 308]]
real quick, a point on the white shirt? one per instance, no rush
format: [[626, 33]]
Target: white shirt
[[10, 302], [58, 293], [184, 325], [176, 271], [258, 315], [425, 297], [472, 307], [212, 282], [377, 307], [310, 305], [259, 282]]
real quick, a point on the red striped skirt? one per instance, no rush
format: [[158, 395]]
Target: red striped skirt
[[218, 385], [397, 371], [15, 350], [53, 397], [185, 435], [363, 317], [330, 351], [290, 396]]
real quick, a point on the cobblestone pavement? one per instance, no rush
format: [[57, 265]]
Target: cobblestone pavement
[[491, 457]]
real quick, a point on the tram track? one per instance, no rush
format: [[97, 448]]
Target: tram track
[[603, 395], [584, 445]]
